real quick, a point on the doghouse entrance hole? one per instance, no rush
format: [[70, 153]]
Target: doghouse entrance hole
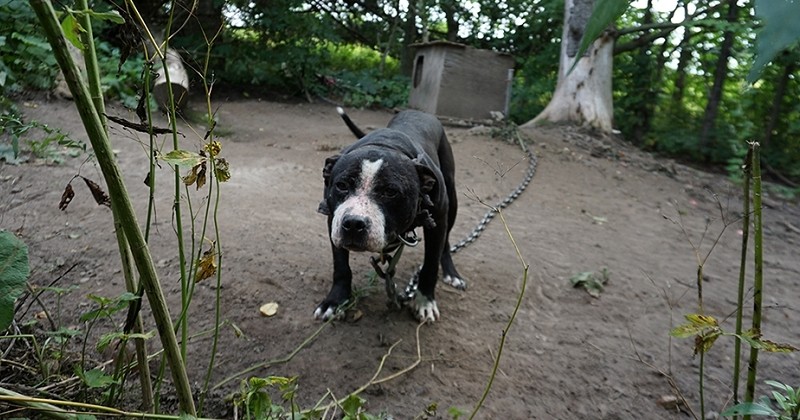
[[418, 69]]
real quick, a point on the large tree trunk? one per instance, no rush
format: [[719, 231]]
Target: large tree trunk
[[707, 135], [409, 37], [777, 104], [584, 95]]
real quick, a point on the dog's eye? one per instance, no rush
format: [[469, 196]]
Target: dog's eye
[[390, 192], [342, 186]]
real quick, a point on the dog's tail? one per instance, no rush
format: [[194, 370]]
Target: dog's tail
[[349, 123]]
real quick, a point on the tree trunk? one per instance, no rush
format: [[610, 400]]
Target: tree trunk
[[777, 104], [645, 83], [449, 8], [584, 95], [409, 37], [707, 135]]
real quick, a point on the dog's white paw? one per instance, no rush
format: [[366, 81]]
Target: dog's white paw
[[454, 281], [426, 309], [327, 314]]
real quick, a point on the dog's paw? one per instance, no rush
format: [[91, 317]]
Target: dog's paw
[[426, 309], [326, 311], [455, 281]]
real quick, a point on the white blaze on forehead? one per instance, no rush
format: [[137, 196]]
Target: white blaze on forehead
[[360, 203], [369, 169]]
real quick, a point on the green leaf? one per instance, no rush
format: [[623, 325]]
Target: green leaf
[[14, 272], [749, 409], [183, 158], [112, 16], [72, 30], [95, 378], [779, 32], [352, 404], [604, 14]]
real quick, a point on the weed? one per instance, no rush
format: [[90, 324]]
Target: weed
[[592, 282], [784, 405], [51, 147]]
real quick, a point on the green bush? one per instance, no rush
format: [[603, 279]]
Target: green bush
[[26, 60]]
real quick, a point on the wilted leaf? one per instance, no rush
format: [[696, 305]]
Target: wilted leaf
[[140, 127], [196, 176], [100, 196], [697, 324], [703, 321], [222, 170], [703, 342], [269, 309], [213, 148], [14, 272], [755, 341], [66, 197], [207, 265]]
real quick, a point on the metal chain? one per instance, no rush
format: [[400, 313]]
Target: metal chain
[[481, 226], [410, 290]]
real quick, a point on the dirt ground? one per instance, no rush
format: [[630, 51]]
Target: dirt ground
[[593, 204]]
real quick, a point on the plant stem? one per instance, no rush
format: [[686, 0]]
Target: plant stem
[[96, 92], [521, 294], [737, 358], [119, 199], [758, 273]]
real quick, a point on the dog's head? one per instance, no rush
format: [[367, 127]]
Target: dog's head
[[373, 195]]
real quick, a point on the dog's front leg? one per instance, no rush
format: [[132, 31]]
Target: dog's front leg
[[341, 291], [425, 301]]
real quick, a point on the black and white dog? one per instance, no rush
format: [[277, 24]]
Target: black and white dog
[[382, 187]]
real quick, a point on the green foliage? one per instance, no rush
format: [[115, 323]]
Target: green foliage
[[593, 283], [779, 32], [120, 82], [784, 405], [604, 14], [366, 88], [14, 272], [26, 60], [255, 398], [50, 146]]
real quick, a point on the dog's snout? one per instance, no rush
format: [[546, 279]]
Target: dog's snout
[[355, 224]]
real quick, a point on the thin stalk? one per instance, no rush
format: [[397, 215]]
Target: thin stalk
[[504, 335], [742, 268], [758, 280], [185, 295], [119, 199], [90, 59], [702, 385], [96, 93], [217, 244]]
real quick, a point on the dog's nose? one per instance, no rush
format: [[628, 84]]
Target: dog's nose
[[355, 224]]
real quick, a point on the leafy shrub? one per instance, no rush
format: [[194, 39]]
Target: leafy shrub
[[366, 88], [120, 82], [26, 60]]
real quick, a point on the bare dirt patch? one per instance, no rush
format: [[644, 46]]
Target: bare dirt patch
[[593, 204]]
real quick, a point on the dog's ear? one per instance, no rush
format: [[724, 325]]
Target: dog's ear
[[326, 177], [328, 168], [427, 179]]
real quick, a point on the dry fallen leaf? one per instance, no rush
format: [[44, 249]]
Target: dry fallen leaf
[[269, 309]]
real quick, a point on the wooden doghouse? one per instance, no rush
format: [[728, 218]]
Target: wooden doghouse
[[454, 80]]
